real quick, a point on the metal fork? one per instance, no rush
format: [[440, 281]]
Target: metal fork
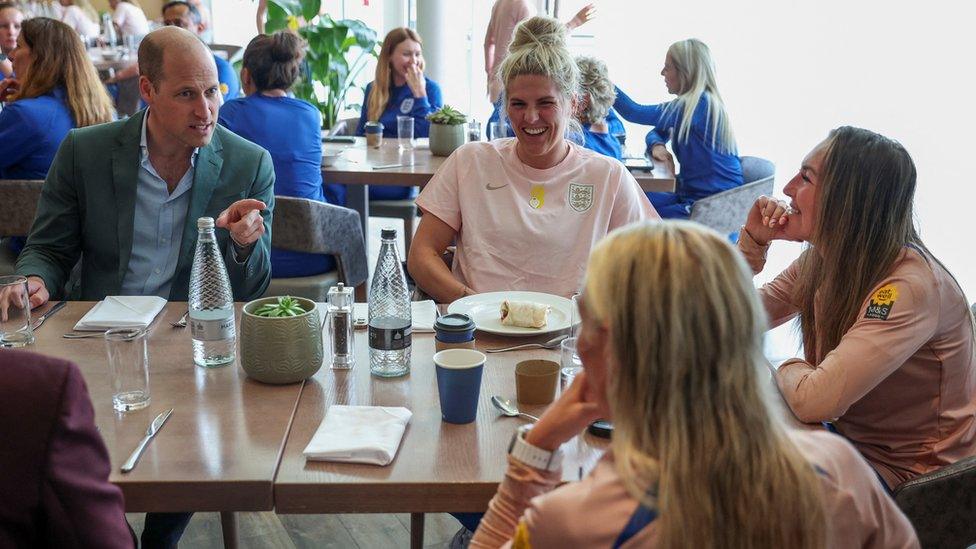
[[181, 323]]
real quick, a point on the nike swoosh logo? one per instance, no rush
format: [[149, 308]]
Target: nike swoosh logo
[[490, 188]]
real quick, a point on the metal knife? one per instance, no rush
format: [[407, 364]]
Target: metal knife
[[389, 166], [40, 320], [154, 428]]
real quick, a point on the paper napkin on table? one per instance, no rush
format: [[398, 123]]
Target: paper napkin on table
[[122, 311], [423, 314], [359, 434]]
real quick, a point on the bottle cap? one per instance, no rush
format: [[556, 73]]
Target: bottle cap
[[205, 223], [388, 234]]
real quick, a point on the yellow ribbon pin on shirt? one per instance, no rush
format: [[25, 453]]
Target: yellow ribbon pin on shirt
[[537, 196]]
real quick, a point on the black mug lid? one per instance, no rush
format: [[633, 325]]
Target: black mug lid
[[454, 322]]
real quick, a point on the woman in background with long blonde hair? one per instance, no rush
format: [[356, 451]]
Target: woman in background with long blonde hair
[[671, 350], [888, 338], [399, 88], [697, 125]]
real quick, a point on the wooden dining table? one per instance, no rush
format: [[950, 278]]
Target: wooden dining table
[[234, 444], [360, 166], [220, 449], [440, 467]]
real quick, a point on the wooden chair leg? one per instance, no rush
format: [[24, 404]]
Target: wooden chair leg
[[228, 525], [416, 530]]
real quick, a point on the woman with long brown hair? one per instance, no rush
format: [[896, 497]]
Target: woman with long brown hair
[[671, 345], [56, 89], [399, 88], [887, 332]]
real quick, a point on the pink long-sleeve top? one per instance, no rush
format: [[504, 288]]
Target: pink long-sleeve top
[[530, 512], [901, 385]]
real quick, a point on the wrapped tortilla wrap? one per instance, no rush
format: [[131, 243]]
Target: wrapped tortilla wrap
[[525, 314]]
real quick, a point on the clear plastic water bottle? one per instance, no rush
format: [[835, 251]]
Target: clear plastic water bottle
[[211, 302], [389, 313]]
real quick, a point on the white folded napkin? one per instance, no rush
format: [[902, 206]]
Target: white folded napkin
[[422, 313], [122, 311], [359, 434]]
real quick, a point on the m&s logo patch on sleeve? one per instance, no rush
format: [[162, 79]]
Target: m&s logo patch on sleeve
[[881, 302]]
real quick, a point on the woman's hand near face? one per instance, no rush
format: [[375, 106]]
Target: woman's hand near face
[[8, 87], [415, 79], [566, 417], [660, 153], [769, 220]]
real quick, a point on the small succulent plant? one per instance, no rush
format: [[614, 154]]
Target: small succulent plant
[[286, 306], [447, 115]]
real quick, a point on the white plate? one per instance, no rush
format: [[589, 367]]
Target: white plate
[[485, 310]]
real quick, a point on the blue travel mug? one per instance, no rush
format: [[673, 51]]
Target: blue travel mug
[[454, 331], [459, 383]]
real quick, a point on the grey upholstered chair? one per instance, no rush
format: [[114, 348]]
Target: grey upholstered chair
[[346, 126], [942, 505], [726, 211], [19, 198], [302, 225]]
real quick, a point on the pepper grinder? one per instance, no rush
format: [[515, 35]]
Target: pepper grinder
[[340, 320]]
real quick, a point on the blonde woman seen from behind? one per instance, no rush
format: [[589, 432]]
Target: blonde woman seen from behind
[[525, 211], [671, 348], [888, 337]]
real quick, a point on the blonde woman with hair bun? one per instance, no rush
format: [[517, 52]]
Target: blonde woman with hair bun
[[697, 125], [671, 344], [524, 212], [595, 113]]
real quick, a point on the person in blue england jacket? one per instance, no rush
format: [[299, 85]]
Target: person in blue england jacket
[[288, 128], [697, 126], [399, 89], [600, 126], [56, 89]]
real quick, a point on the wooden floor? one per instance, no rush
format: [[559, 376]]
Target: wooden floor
[[272, 531]]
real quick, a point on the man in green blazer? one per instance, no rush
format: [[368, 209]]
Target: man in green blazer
[[125, 196]]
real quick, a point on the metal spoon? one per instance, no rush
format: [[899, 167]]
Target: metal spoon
[[508, 408], [551, 344]]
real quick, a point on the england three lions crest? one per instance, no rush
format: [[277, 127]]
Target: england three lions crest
[[580, 197]]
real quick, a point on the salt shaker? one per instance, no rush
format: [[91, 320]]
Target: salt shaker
[[340, 321]]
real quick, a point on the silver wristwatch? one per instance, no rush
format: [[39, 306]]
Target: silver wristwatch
[[531, 455]]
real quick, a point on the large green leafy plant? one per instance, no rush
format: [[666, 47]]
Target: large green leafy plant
[[329, 74]]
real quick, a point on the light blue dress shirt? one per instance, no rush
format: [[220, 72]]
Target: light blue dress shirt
[[157, 233]]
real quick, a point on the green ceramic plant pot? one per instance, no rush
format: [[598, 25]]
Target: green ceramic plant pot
[[444, 138], [281, 350]]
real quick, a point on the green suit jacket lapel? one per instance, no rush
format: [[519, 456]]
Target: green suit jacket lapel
[[125, 178], [206, 178]]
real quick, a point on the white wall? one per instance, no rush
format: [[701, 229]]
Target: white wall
[[790, 71]]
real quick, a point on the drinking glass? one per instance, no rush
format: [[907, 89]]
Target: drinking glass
[[15, 320], [128, 361], [474, 131], [569, 362], [405, 131], [498, 130]]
